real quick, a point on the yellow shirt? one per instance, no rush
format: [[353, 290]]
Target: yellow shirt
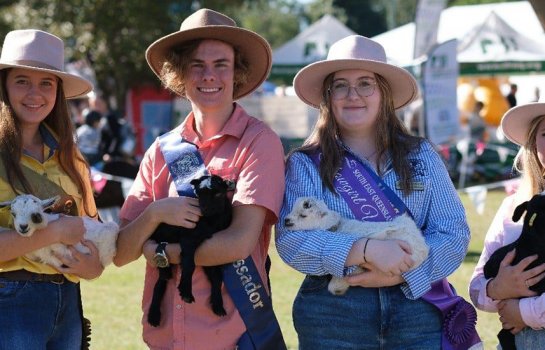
[[51, 171]]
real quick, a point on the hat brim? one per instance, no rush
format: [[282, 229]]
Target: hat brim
[[254, 48], [515, 122], [73, 85], [308, 81]]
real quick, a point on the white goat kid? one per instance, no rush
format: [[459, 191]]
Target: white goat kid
[[28, 216], [309, 213]]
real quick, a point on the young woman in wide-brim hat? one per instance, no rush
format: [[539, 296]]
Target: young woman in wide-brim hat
[[41, 306], [509, 294], [357, 92]]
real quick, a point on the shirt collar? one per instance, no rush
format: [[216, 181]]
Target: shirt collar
[[49, 140], [235, 126]]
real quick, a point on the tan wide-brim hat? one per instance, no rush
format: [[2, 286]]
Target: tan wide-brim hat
[[209, 24], [515, 123], [354, 52], [40, 51]]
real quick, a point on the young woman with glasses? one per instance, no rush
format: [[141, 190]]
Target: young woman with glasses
[[363, 163]]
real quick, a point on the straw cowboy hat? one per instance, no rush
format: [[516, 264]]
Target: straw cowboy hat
[[40, 51], [208, 24], [354, 52], [515, 123]]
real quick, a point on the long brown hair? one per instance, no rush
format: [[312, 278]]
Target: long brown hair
[[394, 139], [11, 142]]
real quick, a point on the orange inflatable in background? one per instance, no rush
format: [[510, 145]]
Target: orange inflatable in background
[[495, 105], [465, 92]]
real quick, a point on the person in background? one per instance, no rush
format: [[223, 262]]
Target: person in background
[[511, 96], [89, 137], [40, 305], [477, 125], [361, 160], [211, 62], [520, 309]]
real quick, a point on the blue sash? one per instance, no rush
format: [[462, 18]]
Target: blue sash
[[370, 199], [241, 277]]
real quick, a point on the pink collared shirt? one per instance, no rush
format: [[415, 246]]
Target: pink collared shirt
[[504, 231], [247, 151]]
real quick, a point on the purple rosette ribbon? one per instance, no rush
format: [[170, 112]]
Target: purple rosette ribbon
[[459, 324], [459, 317]]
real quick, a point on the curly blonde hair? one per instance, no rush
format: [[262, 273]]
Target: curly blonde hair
[[177, 62]]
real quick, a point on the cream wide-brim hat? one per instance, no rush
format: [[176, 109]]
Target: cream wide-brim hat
[[354, 52], [41, 51], [209, 24], [515, 123]]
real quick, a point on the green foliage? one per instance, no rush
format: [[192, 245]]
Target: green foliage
[[111, 35], [276, 21]]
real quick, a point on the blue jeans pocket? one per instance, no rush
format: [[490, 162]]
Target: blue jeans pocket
[[10, 289]]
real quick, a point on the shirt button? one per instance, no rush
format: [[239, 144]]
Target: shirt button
[[178, 306]]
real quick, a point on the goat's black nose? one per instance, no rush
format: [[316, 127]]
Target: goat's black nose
[[36, 218], [288, 223], [23, 228]]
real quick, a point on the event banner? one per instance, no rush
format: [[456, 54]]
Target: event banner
[[439, 79], [428, 13]]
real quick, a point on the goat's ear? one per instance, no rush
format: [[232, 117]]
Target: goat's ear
[[5, 204], [519, 211], [48, 203]]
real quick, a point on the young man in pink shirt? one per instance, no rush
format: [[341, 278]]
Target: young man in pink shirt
[[212, 63]]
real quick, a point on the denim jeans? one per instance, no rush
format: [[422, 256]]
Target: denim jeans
[[39, 316], [363, 318], [530, 339]]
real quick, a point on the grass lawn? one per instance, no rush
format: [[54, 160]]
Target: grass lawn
[[113, 301]]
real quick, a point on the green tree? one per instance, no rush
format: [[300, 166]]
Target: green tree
[[111, 35], [277, 21]]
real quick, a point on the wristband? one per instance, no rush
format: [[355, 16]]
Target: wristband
[[365, 249], [161, 258]]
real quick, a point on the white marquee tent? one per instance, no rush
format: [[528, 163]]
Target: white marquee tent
[[488, 33], [311, 45]]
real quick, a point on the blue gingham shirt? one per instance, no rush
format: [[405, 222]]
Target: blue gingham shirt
[[436, 208]]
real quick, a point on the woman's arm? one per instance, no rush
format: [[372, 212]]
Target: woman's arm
[[439, 213]]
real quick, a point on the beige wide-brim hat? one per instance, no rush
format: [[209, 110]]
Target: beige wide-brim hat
[[354, 52], [209, 24], [515, 123], [40, 51]]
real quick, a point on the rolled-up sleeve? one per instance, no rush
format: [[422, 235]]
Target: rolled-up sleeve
[[440, 215]]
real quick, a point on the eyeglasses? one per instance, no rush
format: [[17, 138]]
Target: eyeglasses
[[340, 90]]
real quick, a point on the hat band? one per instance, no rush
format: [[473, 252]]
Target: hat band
[[30, 63]]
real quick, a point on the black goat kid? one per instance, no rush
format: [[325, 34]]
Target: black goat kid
[[216, 209], [531, 242]]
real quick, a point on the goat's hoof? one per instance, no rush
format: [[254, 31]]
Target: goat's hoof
[[188, 299], [154, 321]]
